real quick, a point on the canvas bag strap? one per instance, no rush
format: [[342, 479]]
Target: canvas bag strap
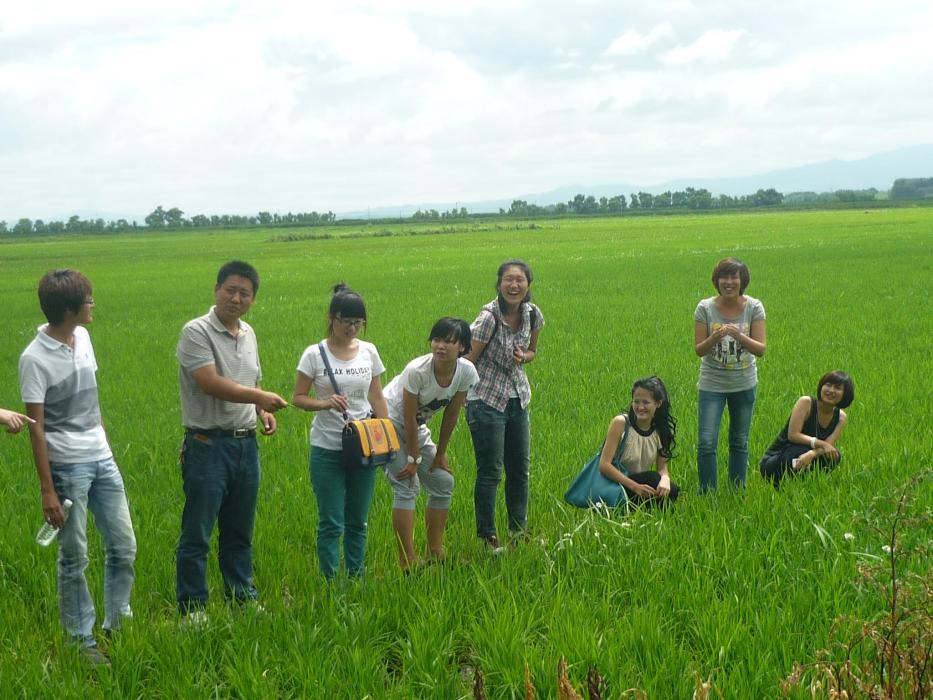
[[330, 373], [617, 457]]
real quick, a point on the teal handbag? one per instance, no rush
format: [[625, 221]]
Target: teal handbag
[[591, 488]]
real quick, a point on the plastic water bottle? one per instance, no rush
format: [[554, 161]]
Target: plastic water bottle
[[49, 532]]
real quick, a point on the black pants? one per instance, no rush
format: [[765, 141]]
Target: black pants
[[774, 467], [652, 479]]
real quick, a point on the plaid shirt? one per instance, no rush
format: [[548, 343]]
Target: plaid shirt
[[500, 377]]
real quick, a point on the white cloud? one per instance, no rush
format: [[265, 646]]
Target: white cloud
[[714, 45], [631, 42], [278, 105]]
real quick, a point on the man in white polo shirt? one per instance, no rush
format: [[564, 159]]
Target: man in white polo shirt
[[221, 400], [73, 460]]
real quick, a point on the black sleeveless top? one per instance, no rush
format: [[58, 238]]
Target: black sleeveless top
[[811, 426]]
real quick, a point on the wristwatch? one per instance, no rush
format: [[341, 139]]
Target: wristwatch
[[413, 460]]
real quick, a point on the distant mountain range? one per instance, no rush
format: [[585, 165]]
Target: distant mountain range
[[878, 171]]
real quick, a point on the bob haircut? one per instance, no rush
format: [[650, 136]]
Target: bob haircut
[[729, 266], [500, 273], [345, 303], [240, 269], [454, 330], [839, 378], [61, 291]]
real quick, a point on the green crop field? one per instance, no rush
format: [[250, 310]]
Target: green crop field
[[734, 588]]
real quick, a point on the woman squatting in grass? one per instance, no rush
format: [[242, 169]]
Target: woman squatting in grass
[[438, 380], [649, 432], [729, 333], [810, 434], [343, 495], [505, 339]]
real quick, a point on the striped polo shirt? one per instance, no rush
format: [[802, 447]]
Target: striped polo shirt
[[205, 341], [63, 379]]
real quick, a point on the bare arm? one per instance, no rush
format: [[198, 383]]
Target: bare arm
[[526, 356], [448, 423], [798, 417], [410, 415], [664, 486], [755, 341], [377, 400], [476, 350], [51, 506], [606, 467], [213, 384], [703, 340], [825, 447], [13, 421], [301, 397]]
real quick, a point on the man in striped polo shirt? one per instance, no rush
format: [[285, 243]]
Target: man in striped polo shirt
[[219, 374], [73, 459]]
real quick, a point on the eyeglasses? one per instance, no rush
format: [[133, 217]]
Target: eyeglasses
[[352, 322]]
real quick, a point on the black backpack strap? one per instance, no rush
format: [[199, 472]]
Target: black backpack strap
[[495, 329], [535, 317]]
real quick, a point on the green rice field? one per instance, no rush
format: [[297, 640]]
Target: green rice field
[[733, 588]]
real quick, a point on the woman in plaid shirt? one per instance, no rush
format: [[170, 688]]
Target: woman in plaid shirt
[[505, 339]]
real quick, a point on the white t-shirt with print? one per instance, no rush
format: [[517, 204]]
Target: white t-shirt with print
[[353, 379], [418, 378]]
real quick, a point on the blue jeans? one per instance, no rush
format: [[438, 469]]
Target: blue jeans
[[343, 499], [221, 483], [98, 487], [711, 405], [500, 439]]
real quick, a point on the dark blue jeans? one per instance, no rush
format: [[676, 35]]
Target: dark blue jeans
[[500, 439], [221, 482], [711, 407]]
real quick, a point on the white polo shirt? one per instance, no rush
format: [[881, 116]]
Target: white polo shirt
[[64, 381]]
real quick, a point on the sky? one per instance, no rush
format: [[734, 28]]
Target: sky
[[112, 107]]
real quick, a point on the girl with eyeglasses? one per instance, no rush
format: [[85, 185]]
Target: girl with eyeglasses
[[343, 495]]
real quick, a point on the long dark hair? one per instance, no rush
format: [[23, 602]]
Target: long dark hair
[[526, 270], [663, 421]]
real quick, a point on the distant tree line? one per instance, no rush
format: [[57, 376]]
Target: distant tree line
[[161, 218], [431, 214], [912, 188], [839, 196], [74, 224], [689, 199], [175, 218]]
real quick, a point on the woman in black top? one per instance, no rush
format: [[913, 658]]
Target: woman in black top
[[811, 432]]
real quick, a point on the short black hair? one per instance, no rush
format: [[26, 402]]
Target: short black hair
[[838, 378], [240, 269], [453, 330], [728, 266], [61, 291]]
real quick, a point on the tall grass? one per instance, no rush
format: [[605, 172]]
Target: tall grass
[[735, 587]]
